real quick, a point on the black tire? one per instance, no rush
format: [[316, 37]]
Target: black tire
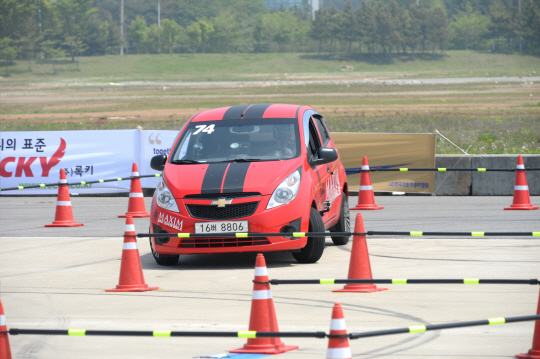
[[314, 248], [344, 223], [163, 259]]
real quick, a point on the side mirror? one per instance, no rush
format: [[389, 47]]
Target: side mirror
[[326, 155], [158, 162]]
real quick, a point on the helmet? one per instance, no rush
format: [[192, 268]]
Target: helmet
[[284, 132]]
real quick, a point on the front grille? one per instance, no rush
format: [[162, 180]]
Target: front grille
[[222, 242], [230, 211], [230, 195]]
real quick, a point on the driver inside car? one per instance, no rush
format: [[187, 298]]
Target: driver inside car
[[284, 134]]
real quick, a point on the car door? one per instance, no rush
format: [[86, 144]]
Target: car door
[[332, 187], [320, 174]]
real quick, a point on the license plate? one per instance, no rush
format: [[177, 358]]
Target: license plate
[[221, 227]]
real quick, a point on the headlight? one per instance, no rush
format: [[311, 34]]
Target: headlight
[[286, 191], [165, 198]]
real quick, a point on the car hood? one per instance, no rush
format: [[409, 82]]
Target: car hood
[[262, 177]]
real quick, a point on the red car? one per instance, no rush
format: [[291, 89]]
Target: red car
[[265, 168]]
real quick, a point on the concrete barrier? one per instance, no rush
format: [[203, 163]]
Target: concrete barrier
[[483, 183]]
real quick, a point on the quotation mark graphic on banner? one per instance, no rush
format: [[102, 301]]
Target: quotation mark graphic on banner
[[157, 140]]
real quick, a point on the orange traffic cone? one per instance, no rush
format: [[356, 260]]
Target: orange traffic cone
[[263, 316], [136, 207], [338, 348], [5, 350], [534, 353], [64, 214], [359, 266], [522, 200], [366, 197], [131, 274]]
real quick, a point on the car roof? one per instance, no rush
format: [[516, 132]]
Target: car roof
[[246, 112]]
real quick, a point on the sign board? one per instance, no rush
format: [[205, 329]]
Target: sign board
[[388, 150]]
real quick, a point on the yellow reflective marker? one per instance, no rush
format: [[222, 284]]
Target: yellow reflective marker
[[157, 175], [247, 334], [183, 235], [471, 281], [77, 332], [119, 179], [399, 281], [162, 333], [42, 185], [299, 234], [101, 181], [477, 234], [481, 169], [442, 169], [327, 281], [20, 187], [536, 234], [417, 233], [242, 235], [83, 182], [417, 328], [403, 169], [497, 321]]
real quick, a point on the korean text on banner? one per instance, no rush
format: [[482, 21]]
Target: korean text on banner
[[389, 150], [33, 158]]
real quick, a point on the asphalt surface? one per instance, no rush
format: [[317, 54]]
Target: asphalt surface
[[54, 278]]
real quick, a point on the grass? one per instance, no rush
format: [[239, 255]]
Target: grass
[[272, 66], [491, 118]]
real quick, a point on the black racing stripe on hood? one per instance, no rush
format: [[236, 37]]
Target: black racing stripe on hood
[[213, 178], [236, 175], [234, 112], [256, 111]]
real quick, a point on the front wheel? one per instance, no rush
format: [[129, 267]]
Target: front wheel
[[314, 248], [344, 223], [163, 259]]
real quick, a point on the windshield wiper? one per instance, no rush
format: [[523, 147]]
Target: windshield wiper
[[246, 160], [183, 162]]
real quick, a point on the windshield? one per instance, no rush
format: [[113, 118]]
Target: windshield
[[238, 140]]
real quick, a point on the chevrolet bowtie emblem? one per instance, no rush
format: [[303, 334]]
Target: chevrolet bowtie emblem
[[221, 202]]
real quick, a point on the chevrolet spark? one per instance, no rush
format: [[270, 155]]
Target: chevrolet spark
[[264, 168]]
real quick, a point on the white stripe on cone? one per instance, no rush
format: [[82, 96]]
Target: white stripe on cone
[[338, 324], [130, 245], [129, 228], [520, 167], [132, 194], [521, 188], [365, 168], [2, 320], [260, 271], [63, 203], [366, 188], [262, 294], [338, 353], [63, 181], [135, 174]]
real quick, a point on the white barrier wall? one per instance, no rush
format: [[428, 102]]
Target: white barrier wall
[[31, 158]]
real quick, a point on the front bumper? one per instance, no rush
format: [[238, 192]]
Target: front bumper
[[262, 221]]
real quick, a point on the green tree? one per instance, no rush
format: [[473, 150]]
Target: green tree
[[530, 28], [7, 52], [470, 27], [264, 32], [348, 27], [75, 47], [53, 51], [418, 27], [438, 28], [227, 29], [319, 30], [153, 38], [207, 29], [194, 35], [171, 34], [138, 32]]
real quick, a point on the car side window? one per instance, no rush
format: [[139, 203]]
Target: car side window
[[314, 142], [322, 130]]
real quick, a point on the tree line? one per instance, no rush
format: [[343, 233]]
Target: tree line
[[49, 29]]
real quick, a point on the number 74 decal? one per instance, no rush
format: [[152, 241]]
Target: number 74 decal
[[204, 128]]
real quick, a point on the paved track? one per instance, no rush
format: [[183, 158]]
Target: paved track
[[55, 277]]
